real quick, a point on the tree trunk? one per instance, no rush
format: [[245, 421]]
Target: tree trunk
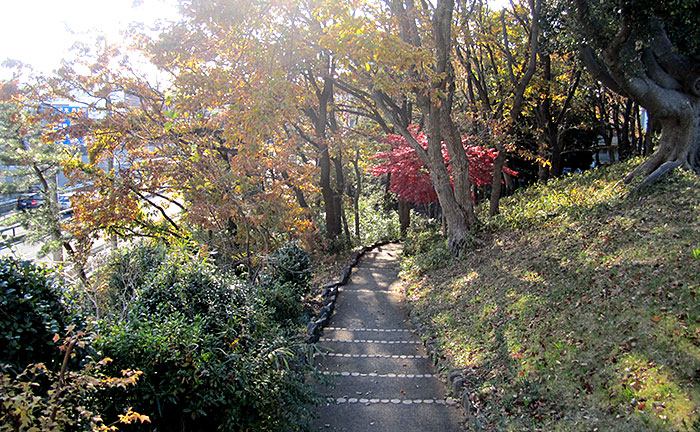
[[344, 219], [510, 187], [457, 221], [55, 209], [298, 193], [333, 221], [338, 193], [113, 242], [455, 200], [557, 145], [518, 98], [435, 103], [78, 264], [496, 183], [679, 146], [404, 217], [358, 191]]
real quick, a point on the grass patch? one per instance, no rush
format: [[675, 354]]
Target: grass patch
[[582, 310]]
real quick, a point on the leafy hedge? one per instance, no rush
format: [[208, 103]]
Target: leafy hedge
[[31, 313], [216, 353], [285, 282], [50, 378], [207, 350]]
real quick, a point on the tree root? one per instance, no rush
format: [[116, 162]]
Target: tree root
[[658, 173], [647, 167]]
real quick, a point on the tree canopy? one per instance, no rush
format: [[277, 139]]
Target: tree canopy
[[259, 131]]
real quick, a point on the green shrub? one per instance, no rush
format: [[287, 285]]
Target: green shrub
[[213, 355], [378, 221], [425, 250], [291, 264], [285, 283], [128, 270], [173, 353], [117, 281], [283, 301], [193, 289], [31, 312]]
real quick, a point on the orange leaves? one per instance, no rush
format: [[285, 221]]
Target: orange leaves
[[133, 417]]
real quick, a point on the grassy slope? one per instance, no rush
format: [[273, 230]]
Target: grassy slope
[[582, 310]]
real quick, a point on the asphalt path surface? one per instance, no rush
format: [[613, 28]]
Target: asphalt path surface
[[383, 379]]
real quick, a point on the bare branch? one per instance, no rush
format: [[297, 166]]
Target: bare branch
[[599, 71], [379, 98], [569, 97]]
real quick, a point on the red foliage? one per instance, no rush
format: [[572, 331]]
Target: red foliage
[[410, 178]]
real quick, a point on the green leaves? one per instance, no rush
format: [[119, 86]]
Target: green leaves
[[31, 312], [213, 351]]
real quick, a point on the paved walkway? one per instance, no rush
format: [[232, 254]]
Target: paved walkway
[[384, 379]]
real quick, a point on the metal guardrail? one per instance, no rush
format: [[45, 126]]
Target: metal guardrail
[[7, 206], [12, 228]]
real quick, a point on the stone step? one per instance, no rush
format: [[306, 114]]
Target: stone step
[[377, 375], [403, 417], [399, 386], [386, 401], [370, 310], [371, 341], [367, 363], [370, 333], [375, 292], [374, 347], [372, 330]]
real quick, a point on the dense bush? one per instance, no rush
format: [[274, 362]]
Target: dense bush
[[48, 382], [378, 220], [31, 313], [213, 353], [126, 272], [284, 284], [290, 263], [425, 250], [283, 301]]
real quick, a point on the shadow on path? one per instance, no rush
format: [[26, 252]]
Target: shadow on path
[[384, 379]]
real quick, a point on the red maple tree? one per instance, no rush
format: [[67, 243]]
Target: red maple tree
[[410, 178]]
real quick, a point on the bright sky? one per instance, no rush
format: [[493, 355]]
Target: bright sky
[[498, 4], [41, 32]]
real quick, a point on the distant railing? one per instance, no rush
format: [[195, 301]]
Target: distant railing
[[7, 206], [12, 228]]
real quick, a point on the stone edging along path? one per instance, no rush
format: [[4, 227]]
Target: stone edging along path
[[456, 377], [330, 295]]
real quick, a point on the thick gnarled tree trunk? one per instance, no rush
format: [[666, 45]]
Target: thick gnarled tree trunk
[[659, 78], [679, 145]]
